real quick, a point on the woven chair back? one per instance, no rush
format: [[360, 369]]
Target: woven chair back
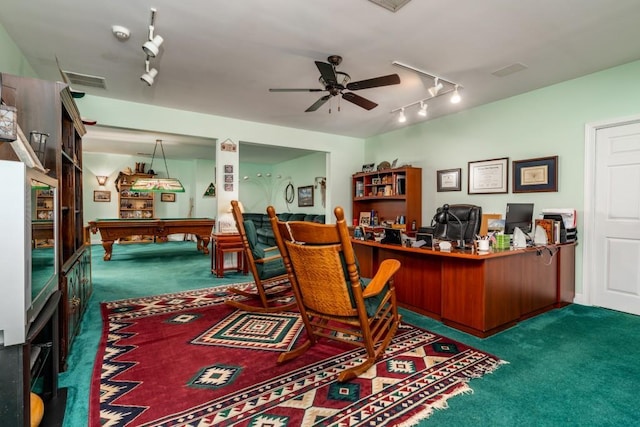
[[321, 278]]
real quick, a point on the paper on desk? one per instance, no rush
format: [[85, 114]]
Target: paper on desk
[[569, 215]]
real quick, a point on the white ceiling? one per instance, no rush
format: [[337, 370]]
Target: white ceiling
[[221, 57]]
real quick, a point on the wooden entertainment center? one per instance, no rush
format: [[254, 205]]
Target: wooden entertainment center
[[477, 294], [48, 107]]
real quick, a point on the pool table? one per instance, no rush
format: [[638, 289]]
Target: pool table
[[113, 229]]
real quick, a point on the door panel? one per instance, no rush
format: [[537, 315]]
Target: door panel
[[617, 218]]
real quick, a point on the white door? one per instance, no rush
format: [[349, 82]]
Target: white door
[[617, 218]]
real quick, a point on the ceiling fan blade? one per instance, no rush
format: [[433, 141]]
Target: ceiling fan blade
[[327, 72], [359, 101], [391, 79], [319, 103], [296, 90]]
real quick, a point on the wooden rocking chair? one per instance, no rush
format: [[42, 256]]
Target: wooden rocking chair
[[334, 301], [267, 268]]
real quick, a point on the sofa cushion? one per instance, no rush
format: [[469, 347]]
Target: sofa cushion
[[296, 217], [262, 225]]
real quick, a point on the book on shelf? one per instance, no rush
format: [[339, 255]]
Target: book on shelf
[[400, 184]]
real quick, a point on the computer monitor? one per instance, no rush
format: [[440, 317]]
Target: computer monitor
[[518, 215]]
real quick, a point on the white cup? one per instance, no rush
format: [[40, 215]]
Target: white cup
[[483, 245]]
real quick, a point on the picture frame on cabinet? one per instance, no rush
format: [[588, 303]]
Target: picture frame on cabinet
[[369, 167], [535, 175], [448, 179], [489, 176], [167, 197], [101, 196], [365, 219]]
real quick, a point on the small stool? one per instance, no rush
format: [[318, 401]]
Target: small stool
[[223, 243]]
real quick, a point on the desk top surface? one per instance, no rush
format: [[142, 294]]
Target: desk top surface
[[456, 253]]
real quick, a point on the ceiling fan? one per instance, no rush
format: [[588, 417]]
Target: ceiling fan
[[335, 82]]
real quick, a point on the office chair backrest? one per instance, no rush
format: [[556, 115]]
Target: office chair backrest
[[470, 216]]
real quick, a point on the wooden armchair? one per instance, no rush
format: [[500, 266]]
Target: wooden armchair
[[334, 301], [267, 268]]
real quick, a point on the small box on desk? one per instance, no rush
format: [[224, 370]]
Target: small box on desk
[[503, 241]]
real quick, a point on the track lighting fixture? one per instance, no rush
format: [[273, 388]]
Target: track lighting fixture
[[440, 87], [402, 118], [455, 98], [149, 74], [423, 109], [151, 48]]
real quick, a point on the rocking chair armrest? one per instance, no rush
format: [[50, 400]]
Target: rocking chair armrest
[[385, 272], [267, 259]]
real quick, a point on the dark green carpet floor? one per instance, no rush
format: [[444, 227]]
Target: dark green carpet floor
[[576, 366]]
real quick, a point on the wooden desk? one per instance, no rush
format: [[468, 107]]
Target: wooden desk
[[223, 243], [478, 294], [113, 229]]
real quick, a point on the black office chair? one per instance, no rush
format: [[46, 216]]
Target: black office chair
[[451, 222]]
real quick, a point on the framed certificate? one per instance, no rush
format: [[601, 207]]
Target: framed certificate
[[489, 176]]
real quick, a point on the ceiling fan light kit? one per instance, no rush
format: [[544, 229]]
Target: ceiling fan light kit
[[338, 82], [440, 87]]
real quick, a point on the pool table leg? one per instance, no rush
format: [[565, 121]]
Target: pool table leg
[[203, 244], [108, 248]]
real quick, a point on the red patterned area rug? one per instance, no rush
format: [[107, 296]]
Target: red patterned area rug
[[187, 359]]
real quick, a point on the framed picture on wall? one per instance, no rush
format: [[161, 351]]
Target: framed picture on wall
[[489, 176], [535, 175], [448, 179], [101, 196], [305, 196], [167, 197]]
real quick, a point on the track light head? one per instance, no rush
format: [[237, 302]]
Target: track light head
[[152, 47], [455, 98], [402, 118], [437, 87], [423, 109], [149, 76]]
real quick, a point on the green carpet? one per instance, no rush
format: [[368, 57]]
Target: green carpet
[[577, 366]]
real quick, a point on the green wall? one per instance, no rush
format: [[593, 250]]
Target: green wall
[[546, 122]]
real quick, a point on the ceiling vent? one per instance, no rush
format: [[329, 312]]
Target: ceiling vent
[[78, 79], [392, 5], [510, 69]]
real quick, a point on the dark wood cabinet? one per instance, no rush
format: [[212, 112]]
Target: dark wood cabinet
[[390, 193], [48, 107]]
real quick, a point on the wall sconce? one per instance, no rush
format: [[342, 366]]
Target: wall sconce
[[102, 180]]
